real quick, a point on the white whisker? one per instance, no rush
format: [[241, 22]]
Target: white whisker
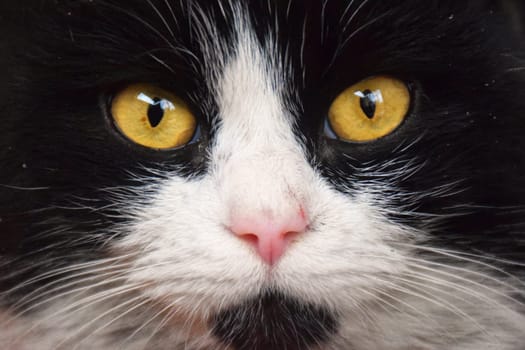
[[147, 322], [437, 301], [83, 304], [109, 323]]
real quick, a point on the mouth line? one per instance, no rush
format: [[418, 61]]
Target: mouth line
[[274, 320]]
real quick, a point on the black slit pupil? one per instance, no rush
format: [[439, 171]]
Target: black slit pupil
[[368, 104], [155, 113]]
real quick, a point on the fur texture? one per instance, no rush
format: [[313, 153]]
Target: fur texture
[[415, 241]]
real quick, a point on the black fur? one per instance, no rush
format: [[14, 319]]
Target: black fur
[[274, 321]]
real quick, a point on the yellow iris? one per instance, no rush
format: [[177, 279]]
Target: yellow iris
[[153, 117], [370, 109]]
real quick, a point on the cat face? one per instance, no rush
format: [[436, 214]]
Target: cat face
[[262, 175]]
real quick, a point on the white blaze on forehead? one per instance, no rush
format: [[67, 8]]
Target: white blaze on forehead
[[250, 92], [259, 164]]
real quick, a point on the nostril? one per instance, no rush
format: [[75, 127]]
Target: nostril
[[291, 236], [250, 238]]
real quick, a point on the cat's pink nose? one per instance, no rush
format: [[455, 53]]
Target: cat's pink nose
[[270, 237]]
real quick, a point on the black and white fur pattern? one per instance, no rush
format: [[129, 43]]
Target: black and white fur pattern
[[415, 241]]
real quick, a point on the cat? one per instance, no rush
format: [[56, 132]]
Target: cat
[[262, 174]]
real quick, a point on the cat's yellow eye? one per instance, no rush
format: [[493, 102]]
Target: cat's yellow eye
[[370, 109], [153, 117]]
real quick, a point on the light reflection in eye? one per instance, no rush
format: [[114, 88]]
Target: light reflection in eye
[[164, 104], [375, 96]]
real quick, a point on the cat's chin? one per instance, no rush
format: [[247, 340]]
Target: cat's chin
[[274, 320]]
